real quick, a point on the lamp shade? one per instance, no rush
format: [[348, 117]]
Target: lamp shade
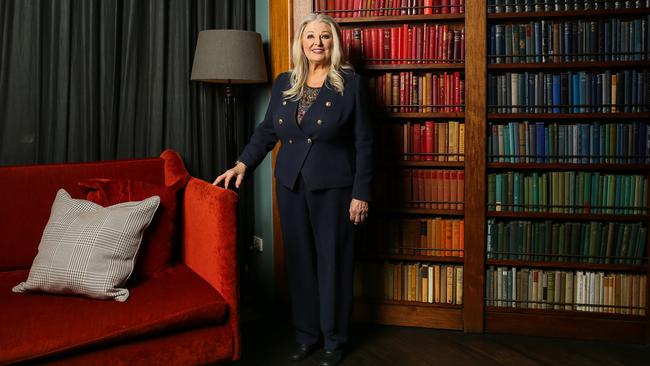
[[227, 55]]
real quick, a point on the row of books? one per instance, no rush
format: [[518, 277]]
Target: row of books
[[567, 41], [406, 44], [622, 293], [421, 236], [419, 93], [577, 143], [421, 188], [430, 141], [378, 8], [568, 192], [590, 242], [569, 92], [418, 282], [518, 6]]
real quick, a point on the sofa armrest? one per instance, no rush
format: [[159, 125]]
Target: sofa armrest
[[210, 243]]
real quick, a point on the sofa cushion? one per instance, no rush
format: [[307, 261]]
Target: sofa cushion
[[36, 325], [87, 249], [155, 255], [29, 190]]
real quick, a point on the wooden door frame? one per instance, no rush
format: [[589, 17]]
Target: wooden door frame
[[281, 32]]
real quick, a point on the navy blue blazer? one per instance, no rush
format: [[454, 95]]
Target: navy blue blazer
[[331, 148]]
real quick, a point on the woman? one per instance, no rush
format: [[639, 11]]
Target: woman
[[323, 171]]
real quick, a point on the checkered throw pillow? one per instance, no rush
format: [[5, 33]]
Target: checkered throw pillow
[[87, 249]]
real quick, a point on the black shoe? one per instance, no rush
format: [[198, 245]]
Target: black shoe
[[331, 358], [302, 351]]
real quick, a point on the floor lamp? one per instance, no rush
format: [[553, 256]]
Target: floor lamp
[[229, 56]]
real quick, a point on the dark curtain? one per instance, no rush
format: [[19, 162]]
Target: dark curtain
[[95, 80], [84, 80]]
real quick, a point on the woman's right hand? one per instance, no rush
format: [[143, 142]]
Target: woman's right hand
[[236, 172]]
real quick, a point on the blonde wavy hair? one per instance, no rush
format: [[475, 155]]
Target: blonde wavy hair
[[338, 64]]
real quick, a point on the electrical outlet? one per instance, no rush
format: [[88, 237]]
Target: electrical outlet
[[258, 244]]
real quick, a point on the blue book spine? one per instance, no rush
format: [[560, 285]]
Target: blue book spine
[[546, 144], [585, 143], [575, 89], [556, 94]]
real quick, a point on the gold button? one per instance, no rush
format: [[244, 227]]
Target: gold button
[[319, 122], [280, 121], [284, 102], [328, 104], [290, 141], [309, 141]]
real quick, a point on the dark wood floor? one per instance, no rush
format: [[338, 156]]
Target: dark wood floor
[[269, 339]]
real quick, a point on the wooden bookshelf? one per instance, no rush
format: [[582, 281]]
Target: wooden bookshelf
[[565, 216], [455, 18], [474, 316], [412, 258], [572, 14], [570, 116], [641, 268], [425, 164], [567, 166], [560, 323], [413, 67], [408, 313], [569, 65]]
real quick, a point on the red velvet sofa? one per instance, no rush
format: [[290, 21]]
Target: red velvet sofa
[[188, 316]]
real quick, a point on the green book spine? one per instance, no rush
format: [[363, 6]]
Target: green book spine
[[516, 192], [554, 192], [578, 203], [586, 192], [641, 245], [627, 196], [631, 248], [528, 240], [611, 196], [535, 189], [498, 190], [555, 232], [593, 243], [561, 250], [618, 201], [501, 240], [491, 191]]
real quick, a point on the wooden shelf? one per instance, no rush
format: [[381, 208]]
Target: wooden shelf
[[565, 166], [567, 14], [569, 65], [455, 18], [566, 324], [408, 313], [566, 216], [423, 211], [640, 268], [570, 117], [389, 67], [412, 258], [425, 164], [437, 115]]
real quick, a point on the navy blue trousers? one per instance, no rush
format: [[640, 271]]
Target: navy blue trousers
[[319, 250]]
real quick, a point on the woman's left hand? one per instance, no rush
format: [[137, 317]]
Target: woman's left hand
[[358, 211]]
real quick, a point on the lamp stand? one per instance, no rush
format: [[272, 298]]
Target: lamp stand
[[231, 132]]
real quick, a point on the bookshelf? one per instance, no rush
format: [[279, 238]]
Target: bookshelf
[[575, 282], [479, 311]]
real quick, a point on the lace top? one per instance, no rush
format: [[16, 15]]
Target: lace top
[[308, 97]]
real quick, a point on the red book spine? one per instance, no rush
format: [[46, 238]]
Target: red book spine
[[448, 91], [427, 7], [356, 51], [437, 189], [428, 139], [412, 45], [416, 142], [321, 5], [382, 5], [404, 39], [445, 7], [461, 190], [462, 94], [457, 91], [350, 6], [418, 42], [387, 47], [374, 47], [454, 7], [436, 43], [462, 45], [394, 45], [357, 8], [443, 43], [453, 189], [446, 190], [381, 45], [436, 6], [402, 80], [337, 6], [450, 45], [404, 7], [436, 93], [425, 43], [461, 6]]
